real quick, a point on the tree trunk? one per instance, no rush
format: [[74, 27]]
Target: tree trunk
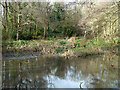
[[36, 28], [14, 14], [44, 33], [18, 28], [5, 16], [19, 14]]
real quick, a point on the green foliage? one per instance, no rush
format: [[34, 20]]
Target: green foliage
[[59, 12], [77, 44], [19, 43], [62, 42], [84, 53], [68, 30], [54, 39], [11, 34], [59, 49], [115, 40], [95, 42], [39, 32]]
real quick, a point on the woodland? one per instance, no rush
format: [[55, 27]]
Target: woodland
[[79, 24]]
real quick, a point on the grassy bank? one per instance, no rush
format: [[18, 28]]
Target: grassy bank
[[73, 46]]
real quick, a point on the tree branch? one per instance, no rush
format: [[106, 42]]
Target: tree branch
[[2, 5]]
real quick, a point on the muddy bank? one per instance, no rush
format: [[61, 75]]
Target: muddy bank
[[33, 51], [64, 48]]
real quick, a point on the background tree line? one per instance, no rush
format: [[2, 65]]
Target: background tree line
[[32, 20], [28, 20]]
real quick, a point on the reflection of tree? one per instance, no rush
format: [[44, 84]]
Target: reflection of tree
[[108, 74], [32, 73], [61, 68], [23, 77], [50, 84], [0, 73]]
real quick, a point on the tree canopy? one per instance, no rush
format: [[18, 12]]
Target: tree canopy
[[31, 20]]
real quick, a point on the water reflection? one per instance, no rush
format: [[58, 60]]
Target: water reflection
[[57, 72], [0, 74]]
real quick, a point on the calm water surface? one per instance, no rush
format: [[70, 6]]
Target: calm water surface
[[57, 72]]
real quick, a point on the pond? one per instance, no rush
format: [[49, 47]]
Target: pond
[[57, 72]]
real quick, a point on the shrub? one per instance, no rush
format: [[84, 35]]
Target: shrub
[[62, 42]]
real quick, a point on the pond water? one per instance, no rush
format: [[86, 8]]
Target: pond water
[[57, 72]]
